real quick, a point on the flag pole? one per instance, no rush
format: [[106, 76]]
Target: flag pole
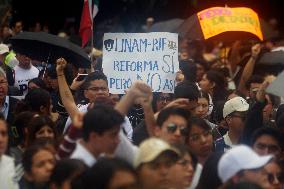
[[92, 36], [92, 26]]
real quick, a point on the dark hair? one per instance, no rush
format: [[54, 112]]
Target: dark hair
[[218, 78], [103, 171], [34, 100], [36, 123], [99, 119], [167, 112], [270, 131], [186, 89], [217, 113], [219, 91], [38, 81], [184, 150], [208, 178], [68, 72], [241, 185], [199, 122], [66, 169], [29, 153], [156, 96], [96, 75], [203, 94], [280, 111], [254, 79], [189, 69], [21, 122], [202, 63], [98, 65], [2, 117], [51, 72], [280, 122]]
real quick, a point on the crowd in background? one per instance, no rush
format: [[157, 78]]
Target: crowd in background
[[219, 129]]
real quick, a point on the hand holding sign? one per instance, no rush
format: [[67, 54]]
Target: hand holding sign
[[140, 91]]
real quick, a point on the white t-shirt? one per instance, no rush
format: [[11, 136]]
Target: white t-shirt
[[83, 154], [126, 125], [228, 141], [196, 176], [23, 76], [125, 149], [7, 173]]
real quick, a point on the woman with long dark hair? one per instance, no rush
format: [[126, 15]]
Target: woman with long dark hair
[[215, 84]]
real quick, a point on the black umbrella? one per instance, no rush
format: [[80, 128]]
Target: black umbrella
[[270, 63], [190, 28], [276, 87], [46, 47], [272, 58], [166, 26]]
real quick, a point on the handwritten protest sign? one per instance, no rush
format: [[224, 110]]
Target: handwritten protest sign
[[216, 20], [150, 57]]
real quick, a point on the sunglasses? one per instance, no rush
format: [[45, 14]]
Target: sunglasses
[[173, 127]]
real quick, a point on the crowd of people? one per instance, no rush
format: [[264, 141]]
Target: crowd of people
[[219, 129]]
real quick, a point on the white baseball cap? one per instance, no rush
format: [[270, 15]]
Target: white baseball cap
[[3, 49], [240, 158], [150, 149], [236, 104]]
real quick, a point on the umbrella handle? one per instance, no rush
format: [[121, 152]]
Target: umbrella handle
[[46, 63], [44, 71]]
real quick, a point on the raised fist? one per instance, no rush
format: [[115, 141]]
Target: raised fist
[[60, 65]]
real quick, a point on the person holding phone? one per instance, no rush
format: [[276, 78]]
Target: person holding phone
[[94, 85]]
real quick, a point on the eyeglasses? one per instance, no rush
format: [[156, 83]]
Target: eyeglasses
[[98, 89], [272, 177], [272, 148], [173, 127], [197, 137]]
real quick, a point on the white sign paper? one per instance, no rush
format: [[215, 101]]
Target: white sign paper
[[150, 57]]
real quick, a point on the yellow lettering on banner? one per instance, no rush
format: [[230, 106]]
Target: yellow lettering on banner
[[216, 20]]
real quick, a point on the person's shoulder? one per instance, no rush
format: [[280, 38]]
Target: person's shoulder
[[16, 68], [7, 160], [13, 99], [83, 107], [34, 69]]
